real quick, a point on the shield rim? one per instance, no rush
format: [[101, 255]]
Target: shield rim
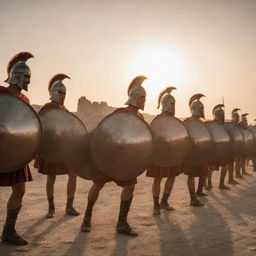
[[212, 143], [61, 110], [189, 137], [111, 114], [40, 131]]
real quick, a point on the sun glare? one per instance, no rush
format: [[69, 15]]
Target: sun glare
[[162, 67]]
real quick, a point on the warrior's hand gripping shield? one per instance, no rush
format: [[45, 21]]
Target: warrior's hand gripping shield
[[64, 137], [121, 146], [171, 141], [20, 133], [202, 143]]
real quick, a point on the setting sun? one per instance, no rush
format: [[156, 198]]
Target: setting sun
[[162, 67]]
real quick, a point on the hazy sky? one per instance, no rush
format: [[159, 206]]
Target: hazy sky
[[206, 46]]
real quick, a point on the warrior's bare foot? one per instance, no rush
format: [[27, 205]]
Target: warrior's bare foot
[[72, 212], [233, 182], [196, 202], [201, 194], [11, 237], [125, 229], [166, 206], [209, 187], [156, 211], [224, 187], [86, 226], [51, 213], [239, 176]]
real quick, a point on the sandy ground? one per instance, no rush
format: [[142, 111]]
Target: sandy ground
[[225, 226]]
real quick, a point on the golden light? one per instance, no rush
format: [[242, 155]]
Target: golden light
[[161, 66]]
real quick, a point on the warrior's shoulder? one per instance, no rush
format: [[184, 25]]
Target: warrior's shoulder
[[188, 118], [46, 107], [4, 90], [24, 97], [192, 118], [51, 105], [125, 109]]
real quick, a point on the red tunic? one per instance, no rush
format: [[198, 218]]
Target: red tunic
[[42, 165], [21, 175], [121, 183], [200, 170]]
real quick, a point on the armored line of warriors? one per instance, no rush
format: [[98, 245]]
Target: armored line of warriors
[[119, 149]]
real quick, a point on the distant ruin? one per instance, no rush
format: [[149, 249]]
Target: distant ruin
[[91, 113]]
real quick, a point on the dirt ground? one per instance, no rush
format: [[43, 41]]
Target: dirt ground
[[225, 226]]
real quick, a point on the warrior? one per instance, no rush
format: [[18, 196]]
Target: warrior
[[253, 128], [201, 170], [168, 108], [244, 124], [136, 101], [18, 80], [235, 119], [57, 92], [219, 118]]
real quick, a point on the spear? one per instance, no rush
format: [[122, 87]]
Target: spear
[[223, 106]]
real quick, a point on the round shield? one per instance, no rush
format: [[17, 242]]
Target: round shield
[[20, 133], [85, 168], [253, 131], [64, 137], [236, 137], [121, 146], [249, 146], [202, 143], [171, 141], [221, 141]]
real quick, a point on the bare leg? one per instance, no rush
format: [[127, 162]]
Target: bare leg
[[13, 207], [167, 191], [156, 193], [238, 167], [201, 187], [231, 174], [92, 198], [223, 173], [209, 178], [15, 200], [191, 187], [243, 164], [254, 164], [71, 189], [50, 195]]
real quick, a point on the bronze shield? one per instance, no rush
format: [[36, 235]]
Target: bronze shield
[[171, 141], [64, 137], [202, 143], [249, 146], [221, 139], [253, 131], [236, 137], [20, 133], [85, 168], [121, 146]]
